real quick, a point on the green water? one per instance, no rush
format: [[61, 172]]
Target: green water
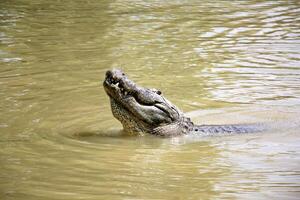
[[219, 61]]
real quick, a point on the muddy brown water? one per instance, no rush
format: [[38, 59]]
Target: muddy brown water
[[219, 61]]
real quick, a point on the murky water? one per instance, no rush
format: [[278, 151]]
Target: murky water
[[221, 61]]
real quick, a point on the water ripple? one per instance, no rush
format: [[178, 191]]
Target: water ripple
[[59, 139]]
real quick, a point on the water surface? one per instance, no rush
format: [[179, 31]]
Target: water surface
[[219, 61]]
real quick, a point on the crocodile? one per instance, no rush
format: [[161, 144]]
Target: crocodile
[[146, 111]]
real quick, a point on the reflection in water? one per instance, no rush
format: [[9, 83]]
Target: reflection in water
[[231, 61]]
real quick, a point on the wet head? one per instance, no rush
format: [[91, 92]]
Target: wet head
[[139, 109]]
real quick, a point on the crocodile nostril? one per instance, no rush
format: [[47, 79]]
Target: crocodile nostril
[[108, 74], [114, 81], [158, 92]]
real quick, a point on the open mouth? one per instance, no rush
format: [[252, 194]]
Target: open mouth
[[116, 83], [119, 87], [146, 105]]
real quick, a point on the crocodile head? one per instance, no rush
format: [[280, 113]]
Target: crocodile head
[[143, 110]]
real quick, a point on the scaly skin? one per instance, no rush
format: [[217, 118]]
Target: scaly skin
[[146, 111]]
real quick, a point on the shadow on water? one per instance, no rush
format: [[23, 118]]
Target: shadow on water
[[267, 121]]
